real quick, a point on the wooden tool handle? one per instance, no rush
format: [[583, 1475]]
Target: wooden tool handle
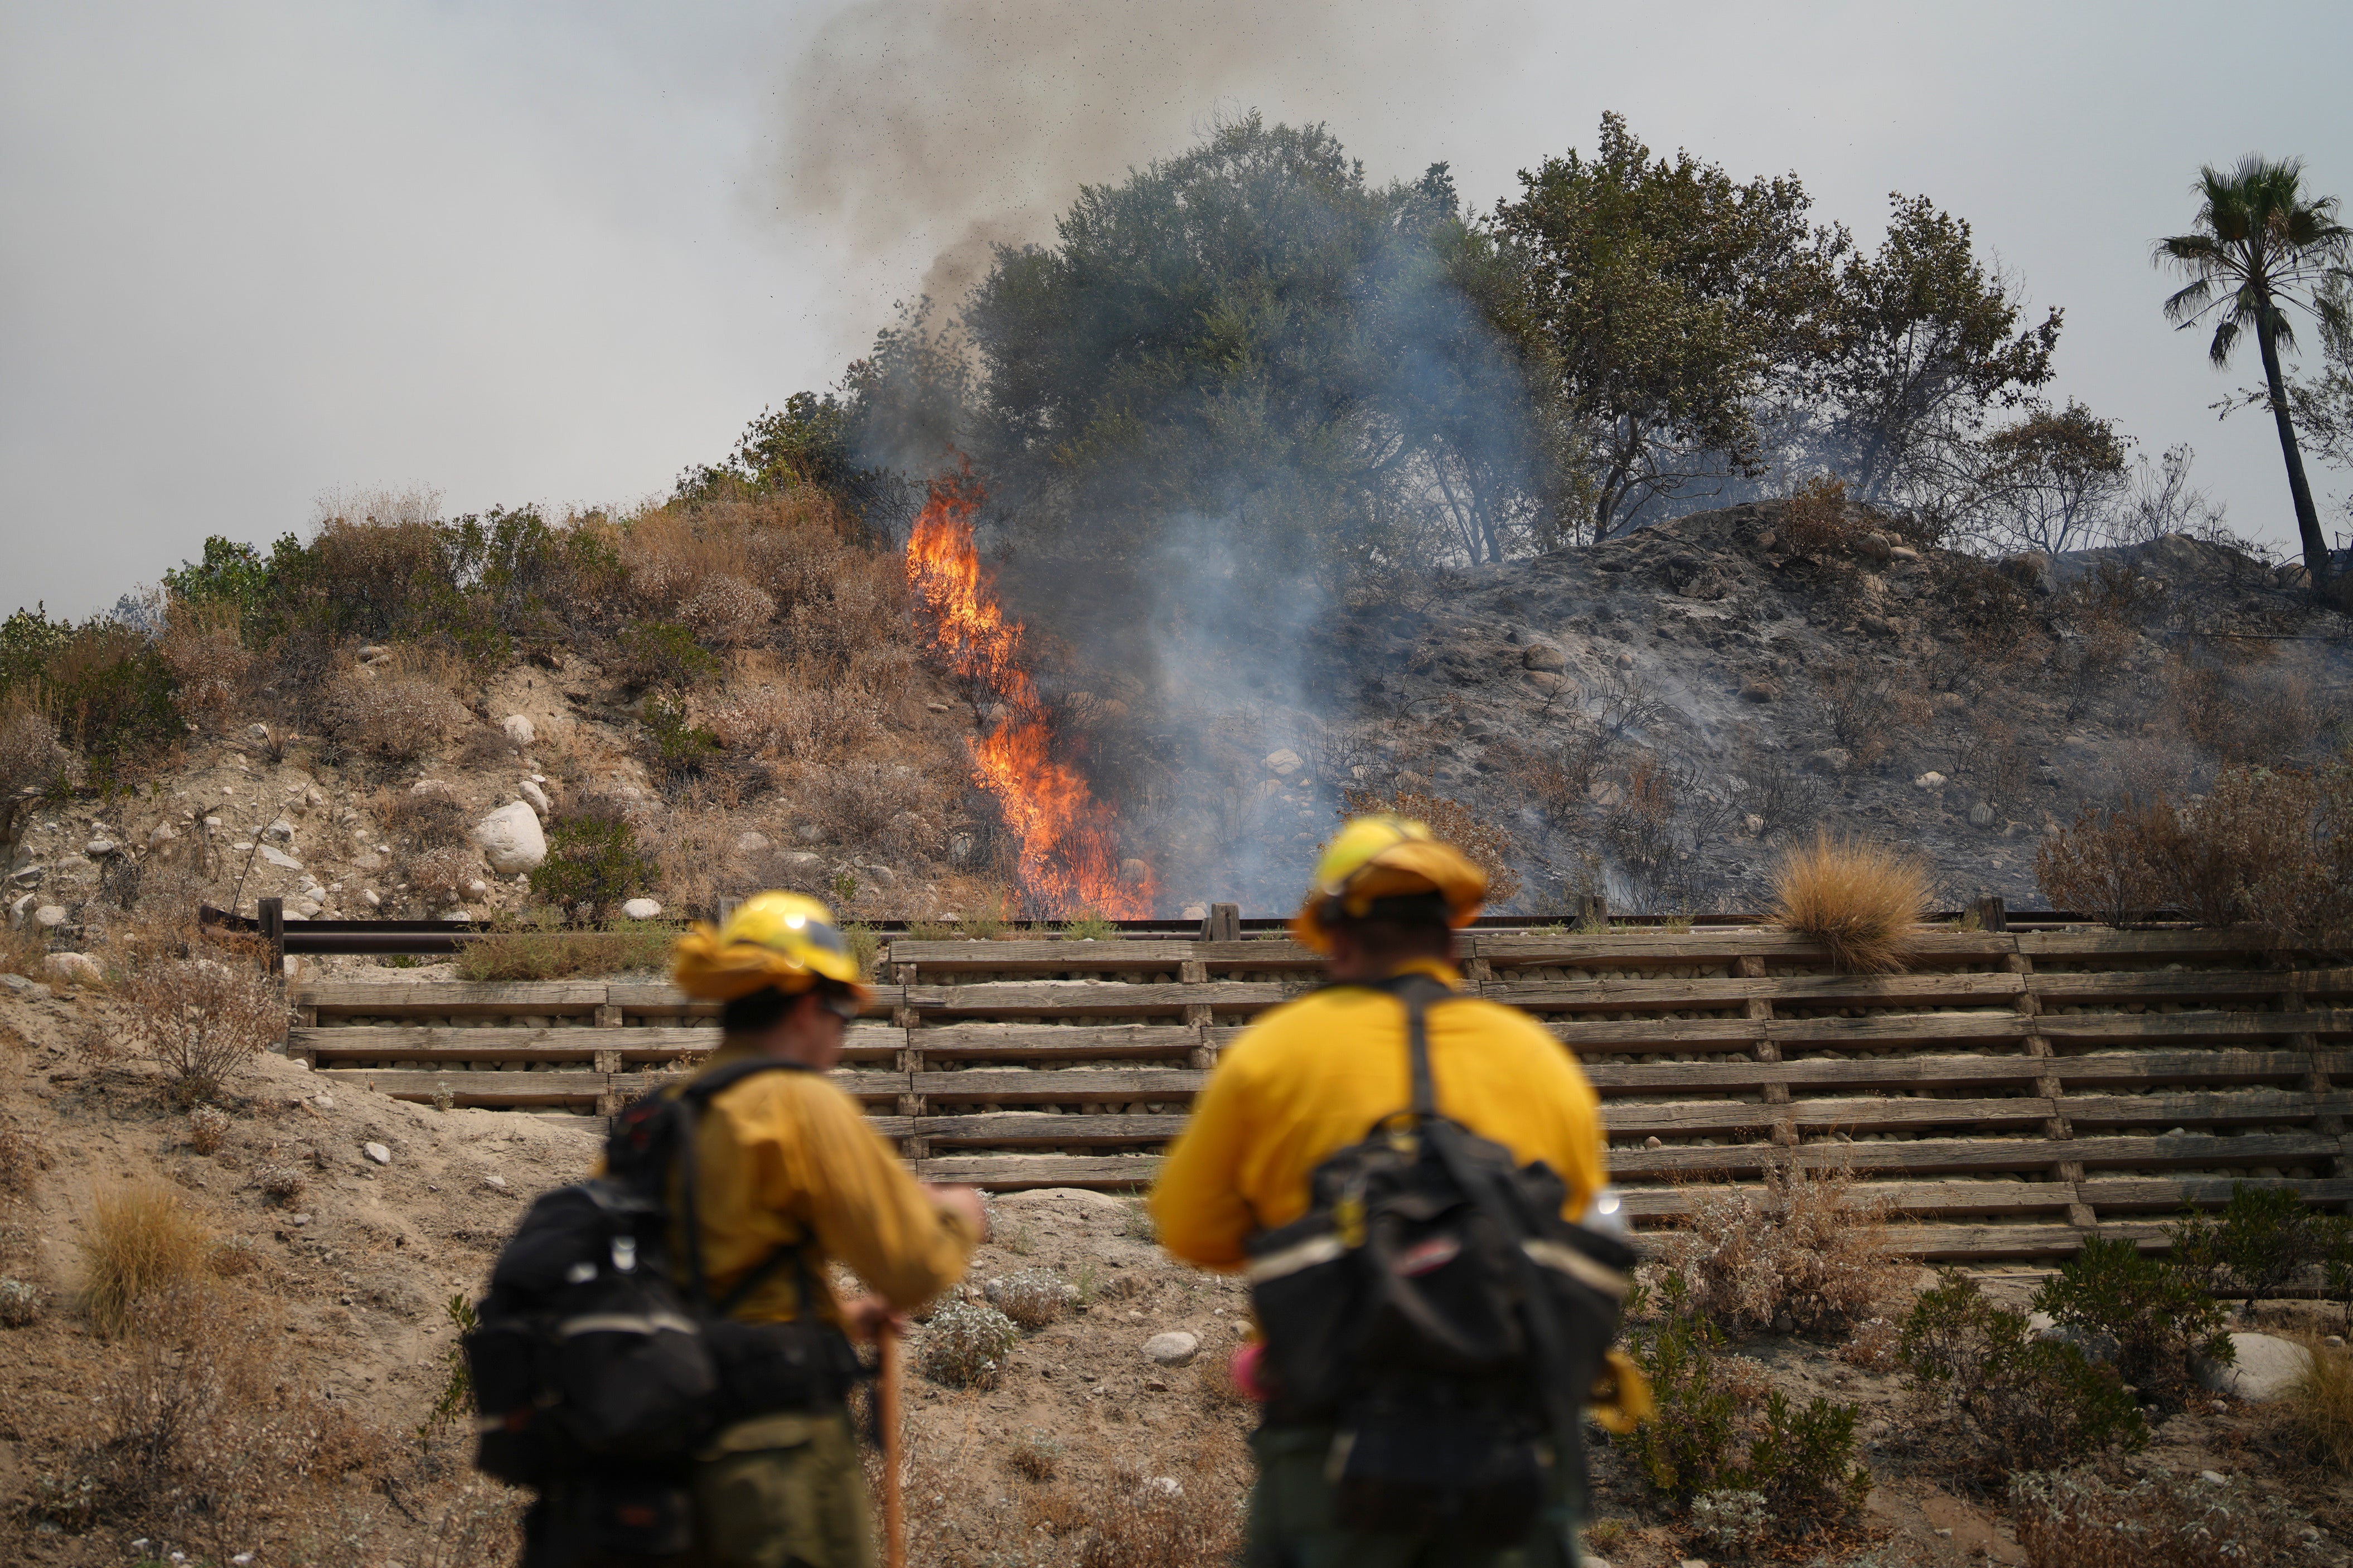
[[894, 1518]]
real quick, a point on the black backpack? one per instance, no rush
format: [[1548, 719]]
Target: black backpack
[[1436, 1309], [590, 1360]]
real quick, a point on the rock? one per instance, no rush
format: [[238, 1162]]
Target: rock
[[1877, 626], [431, 787], [1904, 553], [371, 898], [641, 910], [1760, 692], [1175, 1348], [2214, 1478], [1931, 780], [1194, 912], [498, 1182], [518, 728], [2266, 1367], [1134, 873], [281, 830], [74, 968], [49, 915], [22, 910], [1833, 761], [935, 707], [801, 861], [477, 888], [510, 838], [1543, 655], [258, 731], [163, 832], [372, 652], [536, 796], [314, 795], [1626, 661], [876, 875], [2030, 570], [1545, 681], [376, 1151], [1754, 824], [279, 859], [458, 912], [1982, 816], [304, 909], [1876, 548], [370, 861], [98, 848], [811, 833], [960, 848], [752, 842], [1283, 763]]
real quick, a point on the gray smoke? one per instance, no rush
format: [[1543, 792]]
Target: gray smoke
[[933, 127]]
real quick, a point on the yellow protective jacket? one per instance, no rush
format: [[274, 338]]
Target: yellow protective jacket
[[1313, 1075], [782, 1156]]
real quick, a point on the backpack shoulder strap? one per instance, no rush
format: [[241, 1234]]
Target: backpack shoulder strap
[[1418, 991], [697, 1097]]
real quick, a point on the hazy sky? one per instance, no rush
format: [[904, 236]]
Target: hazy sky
[[254, 252]]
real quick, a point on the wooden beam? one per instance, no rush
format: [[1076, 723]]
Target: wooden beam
[[1797, 990], [1013, 1128], [1013, 1172], [1040, 1042], [1012, 957], [1090, 998], [423, 1044], [1062, 1084]]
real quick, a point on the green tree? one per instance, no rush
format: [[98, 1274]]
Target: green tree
[[1252, 350], [2260, 247], [1671, 300], [1920, 342]]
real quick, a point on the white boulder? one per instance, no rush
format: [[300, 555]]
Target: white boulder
[[1283, 763], [279, 859], [49, 915], [2266, 1367], [752, 842], [510, 839], [1175, 1348], [641, 910], [537, 796], [78, 968], [518, 728], [377, 1153]]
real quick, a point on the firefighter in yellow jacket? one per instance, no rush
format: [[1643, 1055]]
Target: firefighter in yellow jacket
[[1314, 1076], [783, 1158]]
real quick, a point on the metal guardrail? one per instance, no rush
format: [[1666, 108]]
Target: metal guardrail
[[1224, 922]]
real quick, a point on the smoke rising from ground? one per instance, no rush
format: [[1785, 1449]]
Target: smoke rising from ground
[[961, 127]]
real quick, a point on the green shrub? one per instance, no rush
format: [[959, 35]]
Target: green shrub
[[2264, 1237], [1686, 1448], [1803, 1463], [680, 748], [1090, 926], [2158, 1314], [592, 858], [1981, 1374], [965, 1344], [103, 685], [661, 655]]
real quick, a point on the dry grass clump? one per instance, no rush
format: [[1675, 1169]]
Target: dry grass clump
[[1486, 845], [443, 876], [142, 1241], [31, 758], [202, 1021], [2268, 717], [1863, 902], [795, 715], [207, 1128], [432, 817], [281, 1183], [1806, 1251], [1814, 518], [527, 953], [2320, 1405], [2075, 1519], [22, 1160], [1135, 1521], [208, 659], [1033, 1297], [397, 710], [204, 1437], [728, 612], [965, 1344], [20, 1304]]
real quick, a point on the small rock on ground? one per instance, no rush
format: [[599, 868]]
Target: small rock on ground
[[1175, 1348], [376, 1151]]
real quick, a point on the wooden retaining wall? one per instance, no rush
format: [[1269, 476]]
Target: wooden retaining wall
[[2012, 1093]]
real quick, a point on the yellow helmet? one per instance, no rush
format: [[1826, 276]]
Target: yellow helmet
[[1385, 858], [784, 940]]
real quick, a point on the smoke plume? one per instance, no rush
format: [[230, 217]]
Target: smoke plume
[[958, 127]]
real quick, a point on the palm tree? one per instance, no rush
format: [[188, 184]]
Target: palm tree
[[2260, 247]]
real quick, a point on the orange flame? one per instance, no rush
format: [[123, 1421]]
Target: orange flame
[[1070, 845]]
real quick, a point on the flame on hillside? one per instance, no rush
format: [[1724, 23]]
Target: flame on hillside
[[1070, 844]]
